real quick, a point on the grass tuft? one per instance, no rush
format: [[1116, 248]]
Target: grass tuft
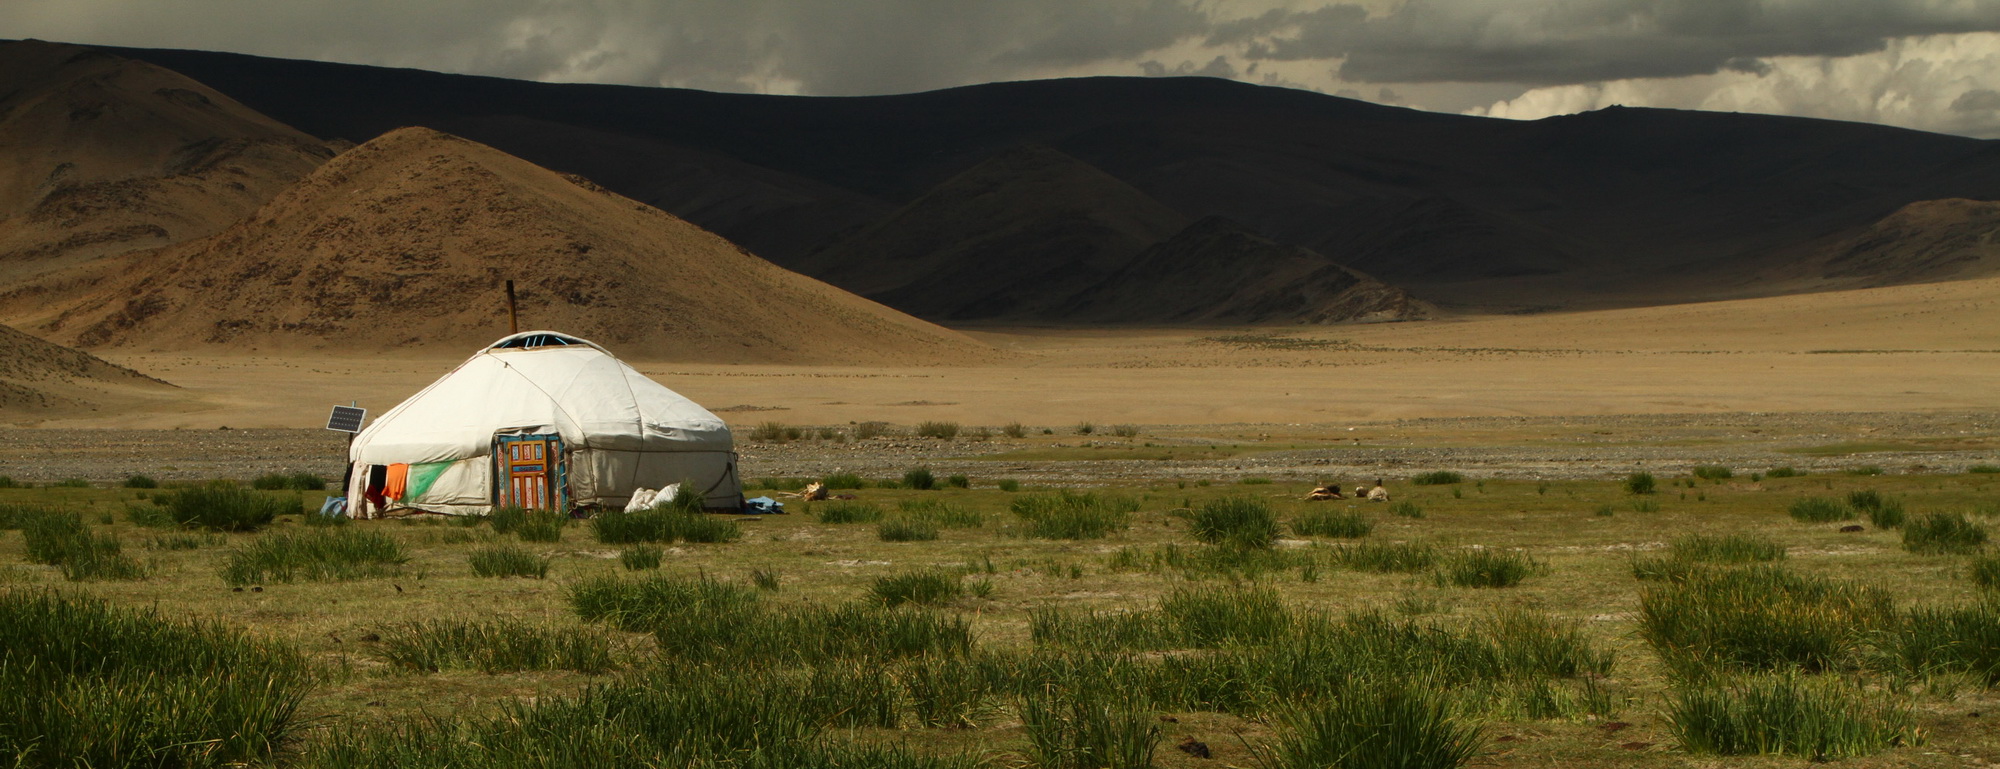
[[1943, 533], [1073, 515], [1759, 618], [1242, 522], [508, 561], [1488, 568], [313, 556], [1820, 510], [1395, 723], [1332, 523], [929, 587], [225, 508], [495, 646], [849, 512], [906, 529], [1789, 715]]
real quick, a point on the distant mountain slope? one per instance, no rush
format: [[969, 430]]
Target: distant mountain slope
[[43, 379], [1614, 200], [404, 242], [1924, 241], [1011, 237], [1217, 272], [100, 155]]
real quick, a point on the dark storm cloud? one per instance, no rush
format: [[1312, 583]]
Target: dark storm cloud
[[1577, 41], [1977, 100]]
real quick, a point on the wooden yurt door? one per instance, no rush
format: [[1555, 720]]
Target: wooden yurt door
[[529, 471]]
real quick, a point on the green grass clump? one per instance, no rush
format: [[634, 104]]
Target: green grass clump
[[1073, 515], [642, 604], [929, 587], [1386, 557], [1818, 719], [641, 558], [1783, 472], [507, 520], [839, 481], [542, 526], [959, 481], [314, 555], [1888, 515], [1864, 499], [1984, 571], [1209, 616], [1332, 523], [508, 561], [906, 529], [1488, 568], [1760, 618], [1640, 483], [1943, 533], [1962, 640], [1007, 484], [289, 482], [1865, 470], [138, 481], [940, 513], [849, 512], [1713, 472], [1820, 510], [64, 541], [225, 508], [1396, 723], [87, 684], [1243, 522], [1088, 729], [1983, 469], [184, 541], [495, 646], [1436, 478], [71, 483], [1727, 548], [919, 478], [1406, 509]]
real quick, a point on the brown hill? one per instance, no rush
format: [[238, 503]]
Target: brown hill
[[105, 155], [404, 242], [1218, 272], [40, 379], [1925, 241], [1012, 237]]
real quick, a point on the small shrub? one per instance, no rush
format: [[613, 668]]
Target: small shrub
[[508, 561], [314, 555], [1943, 533], [8, 482], [225, 508], [701, 528], [1819, 510], [919, 478], [1783, 472], [940, 430], [1406, 509], [1640, 483], [1236, 522], [1085, 428], [770, 432], [137, 481], [842, 481], [1713, 472], [62, 540], [1331, 523], [1759, 618], [71, 483], [958, 482], [1864, 499], [1865, 470], [849, 512], [1488, 568], [1983, 469], [1073, 515], [289, 482], [867, 430], [1125, 431], [906, 530], [641, 558], [1014, 430], [1789, 715], [1436, 478], [1254, 481], [930, 587], [1984, 571], [1008, 485]]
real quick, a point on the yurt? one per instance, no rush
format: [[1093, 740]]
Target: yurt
[[540, 420]]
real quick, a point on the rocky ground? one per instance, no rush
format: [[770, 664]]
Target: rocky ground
[[1512, 447]]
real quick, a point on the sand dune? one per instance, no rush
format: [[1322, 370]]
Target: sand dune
[[404, 241], [105, 155]]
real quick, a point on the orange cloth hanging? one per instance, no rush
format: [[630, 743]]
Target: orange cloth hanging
[[398, 481]]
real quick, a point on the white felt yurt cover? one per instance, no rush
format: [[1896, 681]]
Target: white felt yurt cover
[[620, 431]]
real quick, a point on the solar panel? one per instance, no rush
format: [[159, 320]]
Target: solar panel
[[346, 419]]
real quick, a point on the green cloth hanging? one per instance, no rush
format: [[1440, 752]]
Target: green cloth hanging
[[422, 476]]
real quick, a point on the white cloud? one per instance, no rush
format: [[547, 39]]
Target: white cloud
[[1933, 83]]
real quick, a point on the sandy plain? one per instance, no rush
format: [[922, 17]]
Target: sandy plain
[[1920, 348]]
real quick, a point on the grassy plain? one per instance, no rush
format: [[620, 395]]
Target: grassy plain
[[1582, 536]]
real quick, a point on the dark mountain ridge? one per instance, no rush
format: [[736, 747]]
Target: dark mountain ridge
[[1607, 205]]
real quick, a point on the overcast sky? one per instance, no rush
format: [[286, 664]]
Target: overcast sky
[[1929, 64]]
